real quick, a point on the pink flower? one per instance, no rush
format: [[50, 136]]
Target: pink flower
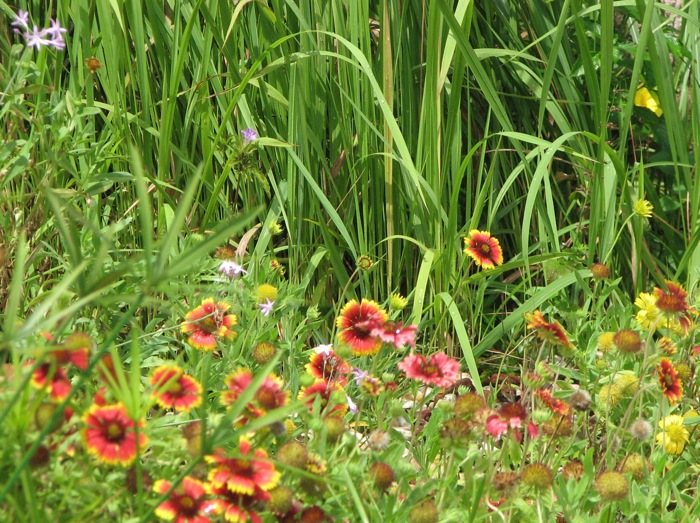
[[439, 370], [396, 334]]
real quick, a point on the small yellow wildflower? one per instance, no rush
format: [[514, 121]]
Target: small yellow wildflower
[[649, 314], [673, 435], [643, 208], [646, 98], [266, 291], [605, 342], [628, 383], [397, 302]]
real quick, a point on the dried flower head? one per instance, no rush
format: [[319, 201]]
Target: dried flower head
[[600, 271], [641, 429], [537, 476], [628, 341], [611, 486]]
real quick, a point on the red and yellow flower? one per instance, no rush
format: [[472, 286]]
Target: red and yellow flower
[[324, 391], [173, 389], [484, 249], [240, 508], [269, 396], [208, 323], [187, 503], [356, 321], [54, 379], [551, 332], [671, 384], [244, 473], [110, 434], [673, 304], [326, 365], [439, 369]]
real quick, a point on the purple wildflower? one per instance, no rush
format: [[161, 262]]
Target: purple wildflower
[[231, 269], [21, 19], [249, 135], [266, 308]]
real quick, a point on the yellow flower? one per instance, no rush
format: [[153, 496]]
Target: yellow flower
[[609, 395], [673, 435], [605, 342], [643, 208], [649, 314], [645, 98], [397, 302], [266, 291], [628, 383]]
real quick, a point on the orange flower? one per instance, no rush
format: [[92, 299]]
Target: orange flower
[[110, 434], [207, 323], [483, 248], [356, 321], [551, 332], [671, 385], [552, 403], [439, 369], [174, 389]]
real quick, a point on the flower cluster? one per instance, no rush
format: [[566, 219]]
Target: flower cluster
[[52, 373], [364, 326], [48, 37]]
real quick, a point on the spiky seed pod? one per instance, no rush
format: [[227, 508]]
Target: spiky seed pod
[[612, 486]]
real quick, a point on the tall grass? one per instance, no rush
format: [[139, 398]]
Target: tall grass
[[390, 129]]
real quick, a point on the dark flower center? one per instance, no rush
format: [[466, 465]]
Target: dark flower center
[[115, 432]]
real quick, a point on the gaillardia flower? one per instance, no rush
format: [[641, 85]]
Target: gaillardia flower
[[240, 508], [439, 370], [269, 395], [209, 322], [396, 334], [322, 391], [110, 434], [673, 435], [671, 385], [173, 389], [551, 332], [327, 366], [673, 305], [54, 379], [186, 503], [243, 473], [356, 321], [484, 249]]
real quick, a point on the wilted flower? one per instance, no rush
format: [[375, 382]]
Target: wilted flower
[[600, 271], [327, 365], [627, 340], [641, 429], [484, 249]]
